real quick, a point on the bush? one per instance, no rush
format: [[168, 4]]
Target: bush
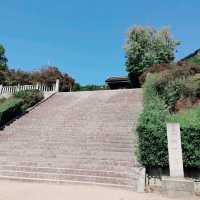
[[172, 92], [176, 82], [192, 87], [190, 135], [48, 75], [10, 109], [152, 129], [78, 87], [156, 68], [29, 97], [180, 71], [2, 100], [14, 106]]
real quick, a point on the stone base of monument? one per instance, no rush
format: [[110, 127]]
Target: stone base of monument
[[177, 187]]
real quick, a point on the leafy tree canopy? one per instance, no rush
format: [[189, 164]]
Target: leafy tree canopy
[[78, 87], [146, 46]]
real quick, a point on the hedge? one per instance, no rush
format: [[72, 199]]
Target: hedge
[[10, 109], [29, 97], [14, 106], [152, 130], [190, 135]]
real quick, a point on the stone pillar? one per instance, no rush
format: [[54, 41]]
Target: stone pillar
[[37, 86], [176, 185], [1, 86], [18, 87], [175, 150], [57, 85]]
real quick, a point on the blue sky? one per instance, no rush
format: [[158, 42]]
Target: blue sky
[[85, 38]]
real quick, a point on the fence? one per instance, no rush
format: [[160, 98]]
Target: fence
[[43, 88]]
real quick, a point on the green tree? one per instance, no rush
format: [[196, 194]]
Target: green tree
[[3, 59], [76, 87], [146, 46], [48, 75]]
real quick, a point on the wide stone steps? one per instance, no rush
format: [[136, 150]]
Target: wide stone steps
[[61, 157], [71, 171], [101, 138], [112, 178], [79, 153], [82, 137], [68, 143], [105, 165], [59, 181], [65, 177]]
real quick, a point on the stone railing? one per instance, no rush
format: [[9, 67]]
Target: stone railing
[[41, 87]]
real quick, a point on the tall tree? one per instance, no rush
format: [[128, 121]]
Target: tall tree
[[146, 46], [3, 59], [48, 76]]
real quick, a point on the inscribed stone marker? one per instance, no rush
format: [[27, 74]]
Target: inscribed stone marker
[[175, 150]]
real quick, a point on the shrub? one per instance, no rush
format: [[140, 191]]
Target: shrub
[[178, 89], [172, 92], [177, 82], [194, 59], [192, 87], [48, 75], [78, 87], [2, 100], [156, 68], [14, 106], [180, 71], [190, 135], [10, 109], [152, 129], [29, 97]]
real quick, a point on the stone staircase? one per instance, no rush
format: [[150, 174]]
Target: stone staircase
[[78, 137]]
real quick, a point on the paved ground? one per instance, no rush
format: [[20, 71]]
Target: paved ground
[[40, 191]]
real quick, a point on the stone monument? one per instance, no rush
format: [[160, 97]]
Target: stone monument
[[176, 185]]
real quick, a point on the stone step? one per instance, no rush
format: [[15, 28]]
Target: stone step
[[70, 153], [69, 143], [81, 151], [73, 177], [70, 171], [70, 132], [116, 139], [23, 179], [66, 147], [63, 149], [75, 135], [105, 165], [85, 137], [72, 159], [77, 142]]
